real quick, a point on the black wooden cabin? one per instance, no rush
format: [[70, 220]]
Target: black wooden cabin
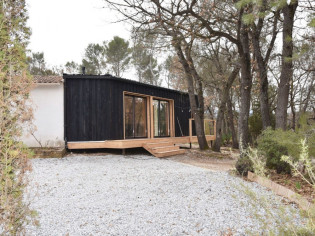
[[104, 107], [103, 111]]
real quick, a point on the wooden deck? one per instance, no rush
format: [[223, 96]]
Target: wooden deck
[[133, 143]]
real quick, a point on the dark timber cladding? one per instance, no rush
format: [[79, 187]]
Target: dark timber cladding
[[94, 106]]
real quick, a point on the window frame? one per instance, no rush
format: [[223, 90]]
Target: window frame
[[159, 118], [134, 116], [149, 110]]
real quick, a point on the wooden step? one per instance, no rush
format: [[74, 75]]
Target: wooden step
[[170, 153], [158, 144], [165, 148]]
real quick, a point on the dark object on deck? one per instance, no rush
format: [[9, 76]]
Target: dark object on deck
[[180, 128]]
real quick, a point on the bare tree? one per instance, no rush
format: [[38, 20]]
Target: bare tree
[[224, 99], [220, 68], [230, 117], [262, 61], [166, 20], [143, 51]]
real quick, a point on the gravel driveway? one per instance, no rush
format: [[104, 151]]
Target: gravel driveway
[[137, 195]]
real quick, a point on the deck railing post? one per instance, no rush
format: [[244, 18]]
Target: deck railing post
[[207, 123]]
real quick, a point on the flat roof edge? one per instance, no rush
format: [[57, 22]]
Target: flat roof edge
[[111, 77]]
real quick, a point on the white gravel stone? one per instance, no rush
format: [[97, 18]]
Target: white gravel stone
[[137, 195]]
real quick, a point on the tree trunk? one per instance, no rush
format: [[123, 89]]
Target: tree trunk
[[224, 97], [200, 111], [263, 62], [225, 125], [293, 117], [311, 88], [218, 139], [210, 112], [246, 85], [192, 98], [231, 122], [263, 83], [287, 65], [292, 105]]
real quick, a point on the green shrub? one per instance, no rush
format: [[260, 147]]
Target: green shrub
[[243, 165], [308, 132], [255, 125], [272, 144], [275, 143], [283, 220], [226, 138], [288, 139], [308, 175], [291, 139], [273, 152]]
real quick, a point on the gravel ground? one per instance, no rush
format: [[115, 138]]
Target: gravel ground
[[138, 195]]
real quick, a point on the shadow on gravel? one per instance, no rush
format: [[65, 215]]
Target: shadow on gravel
[[106, 151]]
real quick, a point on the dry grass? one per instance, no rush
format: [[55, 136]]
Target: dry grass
[[208, 159]]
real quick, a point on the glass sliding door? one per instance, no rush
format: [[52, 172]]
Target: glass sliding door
[[156, 117], [135, 117], [128, 103], [164, 118], [140, 122], [161, 118]]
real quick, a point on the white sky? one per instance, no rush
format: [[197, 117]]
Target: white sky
[[62, 29]]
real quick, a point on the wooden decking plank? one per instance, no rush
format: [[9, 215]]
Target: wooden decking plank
[[132, 143]]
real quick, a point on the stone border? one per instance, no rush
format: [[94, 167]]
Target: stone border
[[46, 152], [302, 202]]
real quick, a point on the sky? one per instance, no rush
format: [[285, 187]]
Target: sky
[[62, 29]]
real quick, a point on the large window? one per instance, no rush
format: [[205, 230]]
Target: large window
[[161, 118], [135, 117]]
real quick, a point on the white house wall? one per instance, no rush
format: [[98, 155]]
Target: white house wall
[[47, 102]]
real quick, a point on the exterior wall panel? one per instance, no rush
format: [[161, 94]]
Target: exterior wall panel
[[48, 114]]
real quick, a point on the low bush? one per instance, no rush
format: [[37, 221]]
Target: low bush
[[275, 143], [258, 160], [255, 125], [273, 139], [283, 220], [243, 165], [273, 152], [272, 144]]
